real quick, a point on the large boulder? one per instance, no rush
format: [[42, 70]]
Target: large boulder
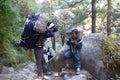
[[90, 60]]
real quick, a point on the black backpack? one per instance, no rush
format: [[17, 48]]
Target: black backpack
[[29, 37]]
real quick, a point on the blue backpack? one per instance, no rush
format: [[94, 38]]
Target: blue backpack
[[29, 37]]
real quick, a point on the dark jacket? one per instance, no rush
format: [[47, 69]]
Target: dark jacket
[[41, 41], [43, 37], [74, 48]]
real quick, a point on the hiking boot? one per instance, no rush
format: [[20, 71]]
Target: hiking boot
[[78, 71]]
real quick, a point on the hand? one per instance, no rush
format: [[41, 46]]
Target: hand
[[75, 42], [72, 41]]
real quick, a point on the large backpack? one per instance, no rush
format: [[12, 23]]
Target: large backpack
[[29, 36], [41, 24]]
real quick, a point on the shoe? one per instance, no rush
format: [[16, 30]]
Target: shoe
[[65, 68], [48, 73], [78, 71]]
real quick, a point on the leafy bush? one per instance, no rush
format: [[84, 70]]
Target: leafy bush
[[109, 47], [110, 55], [11, 23]]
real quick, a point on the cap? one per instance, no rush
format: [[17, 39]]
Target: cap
[[50, 25]]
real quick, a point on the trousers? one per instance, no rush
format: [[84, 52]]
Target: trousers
[[40, 61]]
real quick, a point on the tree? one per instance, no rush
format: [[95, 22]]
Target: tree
[[53, 39], [109, 17], [62, 34], [93, 16], [59, 1]]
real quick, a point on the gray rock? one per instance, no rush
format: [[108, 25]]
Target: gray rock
[[20, 77], [31, 66], [71, 75], [22, 65], [5, 76], [90, 60], [24, 71], [53, 77], [1, 68], [66, 77], [78, 77], [24, 74], [84, 72], [6, 70]]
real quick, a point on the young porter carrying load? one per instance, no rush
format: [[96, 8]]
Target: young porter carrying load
[[33, 28], [34, 35]]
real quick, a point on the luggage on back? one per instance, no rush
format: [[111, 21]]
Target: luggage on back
[[35, 25], [29, 36], [41, 24]]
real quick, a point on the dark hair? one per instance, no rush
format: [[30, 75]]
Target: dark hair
[[75, 31]]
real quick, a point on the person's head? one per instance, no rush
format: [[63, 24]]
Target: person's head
[[51, 26], [74, 33]]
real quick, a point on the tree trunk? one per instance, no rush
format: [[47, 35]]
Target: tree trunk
[[93, 16], [53, 43], [50, 13], [63, 39], [59, 2], [63, 35], [51, 7], [109, 18]]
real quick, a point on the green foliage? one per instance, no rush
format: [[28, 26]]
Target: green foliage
[[110, 50], [111, 55], [7, 19], [109, 45], [11, 22], [117, 77]]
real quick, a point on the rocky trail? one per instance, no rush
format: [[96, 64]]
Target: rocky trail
[[26, 71]]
